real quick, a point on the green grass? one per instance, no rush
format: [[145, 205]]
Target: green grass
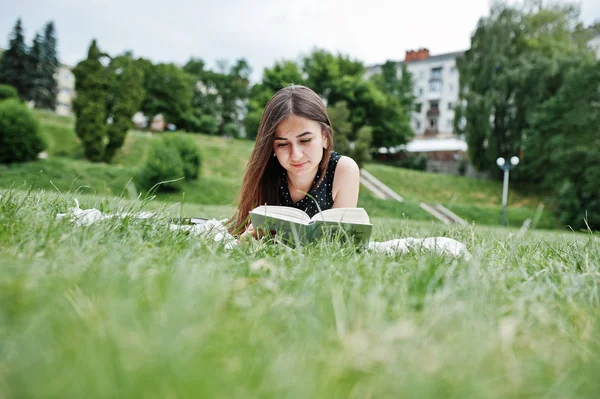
[[126, 308]]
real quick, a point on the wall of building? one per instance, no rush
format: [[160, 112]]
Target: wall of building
[[65, 82], [428, 89]]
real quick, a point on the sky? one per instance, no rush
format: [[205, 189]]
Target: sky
[[261, 31]]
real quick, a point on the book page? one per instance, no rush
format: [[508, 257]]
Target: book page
[[343, 215], [286, 213]]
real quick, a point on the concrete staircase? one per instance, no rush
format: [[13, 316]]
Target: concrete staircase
[[382, 191]]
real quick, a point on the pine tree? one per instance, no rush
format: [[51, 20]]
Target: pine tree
[[14, 64], [48, 68], [35, 58]]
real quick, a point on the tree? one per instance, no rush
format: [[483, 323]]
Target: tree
[[369, 106], [47, 86], [360, 148], [91, 84], [35, 59], [15, 63], [562, 146], [125, 96], [517, 60], [339, 115], [169, 92], [281, 75]]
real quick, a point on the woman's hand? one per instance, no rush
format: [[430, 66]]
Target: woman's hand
[[250, 232]]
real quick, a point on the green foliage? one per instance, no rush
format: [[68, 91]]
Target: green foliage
[[361, 153], [46, 87], [358, 149], [220, 94], [187, 149], [35, 59], [281, 75], [91, 84], [20, 140], [169, 92], [8, 92], [230, 129], [207, 124], [125, 96], [15, 65], [369, 106], [339, 116], [562, 147], [163, 165], [517, 60]]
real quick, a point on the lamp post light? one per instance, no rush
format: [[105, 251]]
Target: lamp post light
[[506, 167]]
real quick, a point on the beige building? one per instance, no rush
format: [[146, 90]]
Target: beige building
[[65, 84]]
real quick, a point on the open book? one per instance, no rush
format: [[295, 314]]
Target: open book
[[296, 226]]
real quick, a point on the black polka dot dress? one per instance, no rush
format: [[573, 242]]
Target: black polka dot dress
[[322, 194]]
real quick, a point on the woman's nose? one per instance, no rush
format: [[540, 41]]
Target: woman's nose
[[296, 153]]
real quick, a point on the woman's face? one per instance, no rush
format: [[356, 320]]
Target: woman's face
[[298, 145]]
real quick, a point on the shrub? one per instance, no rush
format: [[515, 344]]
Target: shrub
[[163, 163], [188, 151], [20, 138], [8, 92], [207, 124], [230, 129]]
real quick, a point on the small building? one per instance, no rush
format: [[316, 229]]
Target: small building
[[436, 88]]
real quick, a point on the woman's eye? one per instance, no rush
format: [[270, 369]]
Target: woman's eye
[[305, 141], [281, 145]]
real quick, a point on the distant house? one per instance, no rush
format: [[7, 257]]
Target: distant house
[[65, 82], [435, 85]]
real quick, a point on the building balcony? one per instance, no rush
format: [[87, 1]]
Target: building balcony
[[433, 112]]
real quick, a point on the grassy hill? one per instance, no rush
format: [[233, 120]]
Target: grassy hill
[[475, 200], [223, 162]]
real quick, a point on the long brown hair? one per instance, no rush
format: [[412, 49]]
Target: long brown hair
[[262, 176]]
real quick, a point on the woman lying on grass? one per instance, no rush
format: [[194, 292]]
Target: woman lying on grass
[[293, 155]]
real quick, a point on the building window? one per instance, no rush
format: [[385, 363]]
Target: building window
[[435, 86], [449, 123], [417, 125], [422, 75], [453, 68], [436, 73], [420, 91], [433, 123], [418, 107], [450, 106], [451, 88]]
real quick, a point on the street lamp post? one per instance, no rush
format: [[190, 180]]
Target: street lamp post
[[506, 167]]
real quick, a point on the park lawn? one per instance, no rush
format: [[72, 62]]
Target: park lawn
[[127, 308]]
